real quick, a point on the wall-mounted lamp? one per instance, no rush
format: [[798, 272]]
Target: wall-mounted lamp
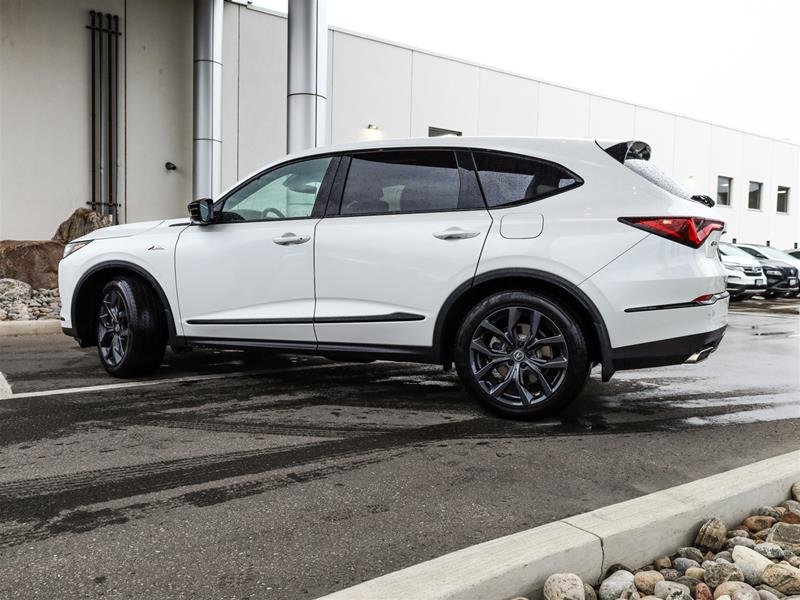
[[371, 132]]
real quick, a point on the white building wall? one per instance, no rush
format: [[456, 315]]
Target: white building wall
[[158, 41], [403, 91], [44, 84], [507, 103], [370, 85], [563, 112]]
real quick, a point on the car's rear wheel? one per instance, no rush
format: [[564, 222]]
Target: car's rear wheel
[[131, 335], [521, 355]]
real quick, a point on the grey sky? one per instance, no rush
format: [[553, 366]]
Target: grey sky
[[732, 62]]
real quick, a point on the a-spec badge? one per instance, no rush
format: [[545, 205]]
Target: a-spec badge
[[155, 247]]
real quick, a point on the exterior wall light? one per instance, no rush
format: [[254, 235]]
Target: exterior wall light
[[370, 133]]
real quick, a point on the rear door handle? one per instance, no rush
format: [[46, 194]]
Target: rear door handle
[[288, 239], [456, 233]]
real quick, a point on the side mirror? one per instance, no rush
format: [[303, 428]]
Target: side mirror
[[202, 211]]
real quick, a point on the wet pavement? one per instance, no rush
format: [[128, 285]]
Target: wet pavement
[[228, 475]]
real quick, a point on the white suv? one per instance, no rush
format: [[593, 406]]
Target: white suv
[[523, 261]]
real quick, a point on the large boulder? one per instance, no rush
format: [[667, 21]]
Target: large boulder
[[34, 262], [79, 223]]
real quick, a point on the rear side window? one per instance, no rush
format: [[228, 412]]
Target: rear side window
[[405, 181], [508, 179]]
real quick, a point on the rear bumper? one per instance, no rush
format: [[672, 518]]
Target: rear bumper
[[742, 289], [672, 351]]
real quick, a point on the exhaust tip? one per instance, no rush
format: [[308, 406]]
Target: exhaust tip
[[700, 355]]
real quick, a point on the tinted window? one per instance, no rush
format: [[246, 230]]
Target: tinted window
[[783, 199], [724, 190], [403, 181], [287, 192], [753, 252], [754, 196], [508, 179]]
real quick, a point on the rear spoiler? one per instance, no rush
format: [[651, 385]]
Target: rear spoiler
[[622, 151]]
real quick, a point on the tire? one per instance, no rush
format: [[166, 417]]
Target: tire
[[130, 325], [505, 378]]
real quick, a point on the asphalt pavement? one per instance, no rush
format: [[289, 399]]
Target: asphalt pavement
[[228, 475]]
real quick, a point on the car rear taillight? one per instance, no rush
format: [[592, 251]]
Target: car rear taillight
[[689, 231]]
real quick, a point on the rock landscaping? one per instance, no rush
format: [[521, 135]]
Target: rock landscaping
[[29, 269], [757, 559], [20, 302]]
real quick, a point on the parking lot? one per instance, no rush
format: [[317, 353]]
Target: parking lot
[[236, 476]]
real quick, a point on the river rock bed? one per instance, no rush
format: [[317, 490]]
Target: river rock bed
[[20, 302], [757, 559]]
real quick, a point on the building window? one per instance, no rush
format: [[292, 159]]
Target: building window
[[754, 196], [441, 132], [724, 190], [783, 199]]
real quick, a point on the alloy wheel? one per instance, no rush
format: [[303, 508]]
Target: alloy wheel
[[113, 331], [518, 356]]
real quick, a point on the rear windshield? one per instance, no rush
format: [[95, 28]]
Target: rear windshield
[[657, 177]]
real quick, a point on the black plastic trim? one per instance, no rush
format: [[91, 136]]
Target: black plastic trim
[[673, 351], [123, 265], [419, 354], [533, 274], [286, 321], [716, 298], [388, 318]]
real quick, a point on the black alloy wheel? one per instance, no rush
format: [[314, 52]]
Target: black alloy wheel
[[113, 333], [131, 327], [522, 354]]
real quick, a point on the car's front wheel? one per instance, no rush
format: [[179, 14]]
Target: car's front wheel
[[521, 354], [131, 336]]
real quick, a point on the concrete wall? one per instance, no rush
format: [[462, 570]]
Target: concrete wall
[[45, 110], [44, 81]]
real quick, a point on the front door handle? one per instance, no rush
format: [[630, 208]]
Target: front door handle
[[456, 233], [289, 239]]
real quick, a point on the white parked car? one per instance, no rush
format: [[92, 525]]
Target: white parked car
[[522, 261], [745, 274]]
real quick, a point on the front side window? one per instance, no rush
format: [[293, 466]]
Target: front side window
[[508, 179], [287, 192], [724, 190], [783, 199], [404, 181], [754, 196]]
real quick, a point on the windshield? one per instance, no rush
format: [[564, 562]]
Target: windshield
[[657, 177], [729, 250], [753, 252], [775, 253]]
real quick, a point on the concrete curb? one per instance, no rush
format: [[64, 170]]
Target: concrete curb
[[632, 533], [40, 327]]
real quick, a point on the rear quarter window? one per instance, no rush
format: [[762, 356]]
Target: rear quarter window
[[509, 179]]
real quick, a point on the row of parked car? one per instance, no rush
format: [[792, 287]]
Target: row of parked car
[[760, 270]]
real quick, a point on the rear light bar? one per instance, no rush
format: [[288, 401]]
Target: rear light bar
[[689, 231]]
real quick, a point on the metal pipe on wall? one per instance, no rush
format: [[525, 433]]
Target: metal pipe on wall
[[307, 89], [207, 137]]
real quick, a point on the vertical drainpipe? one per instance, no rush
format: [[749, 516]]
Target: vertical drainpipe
[[307, 102], [207, 136]]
